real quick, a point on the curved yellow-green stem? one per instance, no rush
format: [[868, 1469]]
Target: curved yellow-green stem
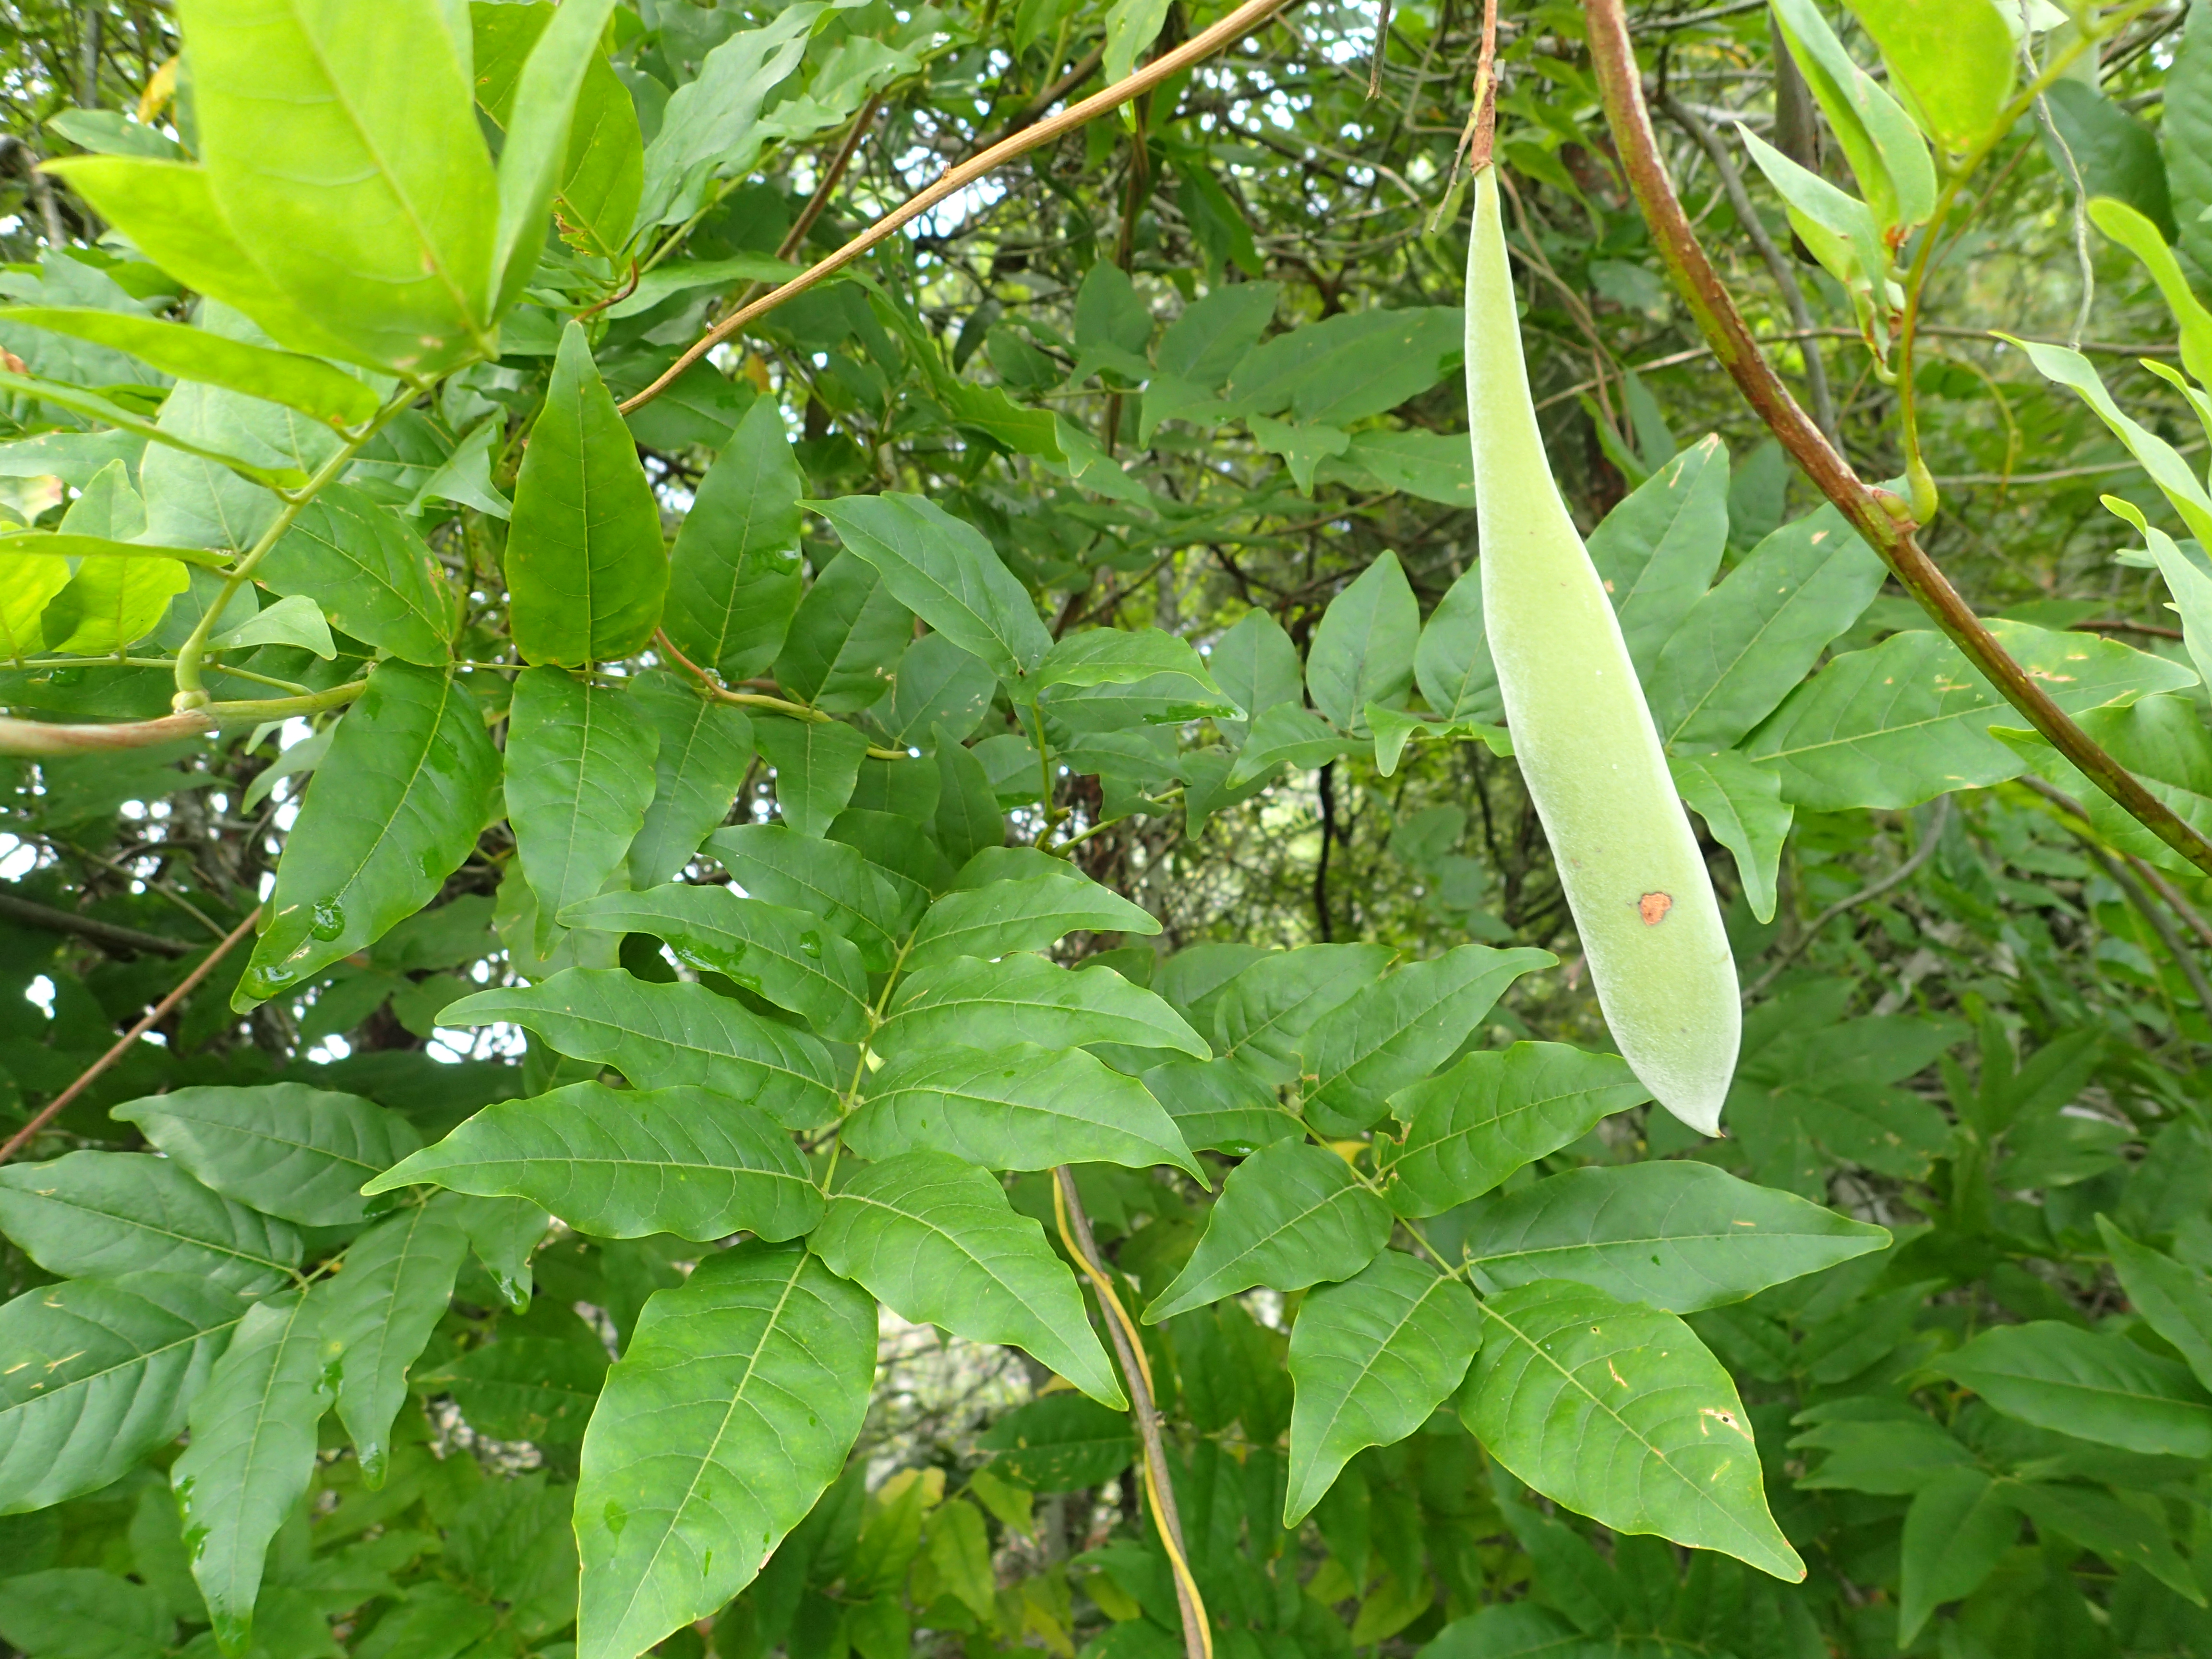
[[1627, 859]]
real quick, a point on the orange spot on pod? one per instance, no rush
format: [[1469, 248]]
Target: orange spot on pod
[[1654, 907]]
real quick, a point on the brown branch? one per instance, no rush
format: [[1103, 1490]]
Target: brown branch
[[2123, 878], [107, 935], [160, 1011], [34, 737], [2114, 627], [1877, 515], [1085, 67], [1240, 22], [1874, 890], [1784, 279], [2158, 881], [1137, 1371], [795, 238], [19, 737]]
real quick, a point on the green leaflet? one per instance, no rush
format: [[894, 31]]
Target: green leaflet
[[2125, 1535], [1061, 1443], [585, 570], [2163, 741], [1016, 1107], [1287, 734], [967, 820], [69, 1611], [112, 1364], [733, 580], [1960, 1526], [1909, 719], [946, 573], [171, 213], [1741, 805], [1363, 651], [705, 748], [1214, 333], [934, 1239], [418, 774], [299, 382], [515, 1537], [1218, 1105], [935, 684], [669, 1036], [1888, 157], [528, 1387], [1372, 1358], [734, 1406], [628, 1163], [1742, 648], [2188, 583], [1022, 998], [1452, 662], [1115, 656], [602, 171], [578, 776], [1619, 1412], [1677, 1235], [536, 154], [379, 1313], [1351, 366], [845, 639], [1264, 1013], [253, 1450], [504, 1233], [1255, 664], [368, 572], [789, 957], [88, 1214], [1473, 1126], [1395, 1030], [1029, 914], [352, 172], [1953, 59], [2095, 1387], [283, 1148], [1656, 551], [2176, 1301], [1291, 1215], [712, 124], [110, 605], [33, 579], [774, 862], [815, 764]]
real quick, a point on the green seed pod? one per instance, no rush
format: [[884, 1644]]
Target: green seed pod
[[1627, 859]]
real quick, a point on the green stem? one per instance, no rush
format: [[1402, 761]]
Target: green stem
[[159, 662], [191, 693], [852, 1098], [281, 708], [1920, 481]]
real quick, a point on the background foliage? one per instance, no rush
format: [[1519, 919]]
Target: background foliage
[[1192, 371]]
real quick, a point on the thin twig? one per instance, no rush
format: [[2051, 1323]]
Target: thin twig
[[2160, 924], [1786, 279], [107, 935], [2125, 871], [1903, 871], [1240, 22], [2173, 896], [1880, 516], [53, 1108], [1137, 1369]]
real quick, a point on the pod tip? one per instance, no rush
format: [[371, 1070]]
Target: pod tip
[[1699, 1108]]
